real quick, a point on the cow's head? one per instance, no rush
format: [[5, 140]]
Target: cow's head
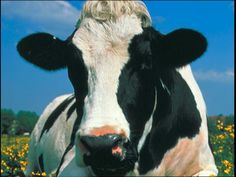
[[114, 61]]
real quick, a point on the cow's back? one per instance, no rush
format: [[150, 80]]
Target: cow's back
[[51, 135]]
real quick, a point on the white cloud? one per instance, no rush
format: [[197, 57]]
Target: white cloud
[[218, 76], [48, 14]]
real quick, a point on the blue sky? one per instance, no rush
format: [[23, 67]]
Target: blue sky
[[25, 87]]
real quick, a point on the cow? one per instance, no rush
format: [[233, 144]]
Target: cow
[[136, 107]]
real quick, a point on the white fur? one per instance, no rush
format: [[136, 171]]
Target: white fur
[[103, 36], [205, 173], [52, 143], [206, 159], [105, 52], [70, 167], [148, 125], [103, 10]]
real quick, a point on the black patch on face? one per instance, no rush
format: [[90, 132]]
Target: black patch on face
[[78, 75], [41, 164], [176, 117], [55, 114], [136, 87]]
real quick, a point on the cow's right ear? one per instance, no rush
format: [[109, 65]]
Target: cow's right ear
[[44, 51]]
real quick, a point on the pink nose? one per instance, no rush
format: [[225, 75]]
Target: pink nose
[[105, 130]]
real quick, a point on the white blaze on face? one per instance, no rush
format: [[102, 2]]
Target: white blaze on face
[[105, 52]]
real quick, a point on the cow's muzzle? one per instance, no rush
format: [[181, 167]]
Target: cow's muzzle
[[109, 155]]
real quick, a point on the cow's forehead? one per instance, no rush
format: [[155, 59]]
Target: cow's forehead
[[108, 41]]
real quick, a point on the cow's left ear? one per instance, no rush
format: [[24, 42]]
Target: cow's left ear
[[179, 48], [44, 50]]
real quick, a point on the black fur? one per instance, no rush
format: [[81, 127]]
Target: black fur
[[173, 120], [44, 50], [176, 115], [136, 88], [175, 49], [55, 114], [146, 160], [41, 164], [70, 111], [181, 47]]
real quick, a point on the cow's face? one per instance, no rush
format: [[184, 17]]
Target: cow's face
[[115, 70]]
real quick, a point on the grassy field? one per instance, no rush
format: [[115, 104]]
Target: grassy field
[[221, 132]]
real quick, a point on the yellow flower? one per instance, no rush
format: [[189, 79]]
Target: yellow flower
[[232, 135], [221, 136], [44, 174], [3, 163], [225, 162], [220, 127], [37, 174], [212, 175], [228, 128], [1, 170], [227, 171]]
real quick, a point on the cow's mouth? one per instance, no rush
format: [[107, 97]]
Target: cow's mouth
[[116, 167], [115, 160]]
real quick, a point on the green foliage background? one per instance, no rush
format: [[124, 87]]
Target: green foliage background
[[17, 123]]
